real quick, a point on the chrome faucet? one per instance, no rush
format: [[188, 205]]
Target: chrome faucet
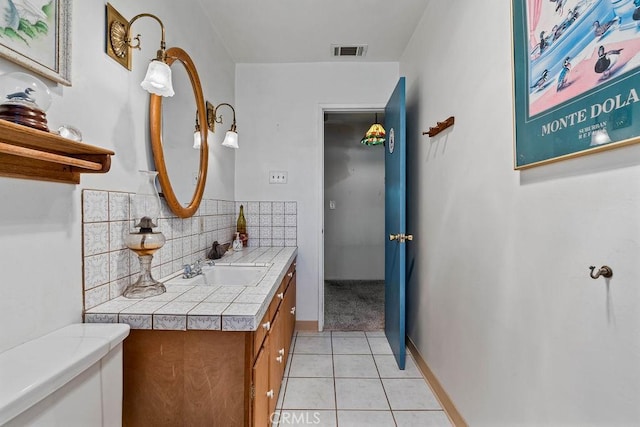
[[192, 270]]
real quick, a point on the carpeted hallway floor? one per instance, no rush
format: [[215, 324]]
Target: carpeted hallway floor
[[353, 305]]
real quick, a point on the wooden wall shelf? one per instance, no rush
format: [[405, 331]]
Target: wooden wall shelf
[[34, 154]]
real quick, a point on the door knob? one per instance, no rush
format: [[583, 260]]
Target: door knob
[[401, 237]]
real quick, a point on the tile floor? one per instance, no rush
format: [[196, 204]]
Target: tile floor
[[345, 379]]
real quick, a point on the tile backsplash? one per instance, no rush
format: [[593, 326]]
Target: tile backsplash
[[108, 266]]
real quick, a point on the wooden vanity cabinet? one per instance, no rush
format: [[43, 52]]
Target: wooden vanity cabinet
[[210, 378], [275, 348]]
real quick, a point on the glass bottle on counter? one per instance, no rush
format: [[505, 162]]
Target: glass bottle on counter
[[242, 223], [241, 227]]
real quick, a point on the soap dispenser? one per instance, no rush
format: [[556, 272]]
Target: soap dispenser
[[237, 243]]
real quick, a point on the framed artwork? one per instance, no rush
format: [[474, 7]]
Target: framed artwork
[[36, 35], [576, 77]]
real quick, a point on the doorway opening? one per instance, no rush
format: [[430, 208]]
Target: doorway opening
[[354, 223]]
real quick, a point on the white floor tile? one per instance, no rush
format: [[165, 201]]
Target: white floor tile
[[354, 366], [311, 365], [312, 345], [348, 334], [379, 345], [388, 367], [409, 394], [274, 417], [283, 388], [306, 418], [421, 418], [309, 393], [287, 367], [366, 394], [366, 419], [350, 345], [313, 333], [375, 334]]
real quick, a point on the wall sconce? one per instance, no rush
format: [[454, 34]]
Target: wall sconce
[[120, 44], [231, 137], [197, 136]]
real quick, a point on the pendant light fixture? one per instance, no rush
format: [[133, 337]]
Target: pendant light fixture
[[375, 135]]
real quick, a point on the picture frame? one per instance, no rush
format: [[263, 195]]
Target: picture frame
[[36, 34], [576, 78]]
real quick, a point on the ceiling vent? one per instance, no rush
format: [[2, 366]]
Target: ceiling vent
[[350, 50]]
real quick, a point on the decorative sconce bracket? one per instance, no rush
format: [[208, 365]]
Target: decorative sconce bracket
[[119, 41], [117, 30], [213, 118]]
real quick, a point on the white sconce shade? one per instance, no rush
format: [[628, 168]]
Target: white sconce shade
[[197, 140], [230, 140], [158, 79]]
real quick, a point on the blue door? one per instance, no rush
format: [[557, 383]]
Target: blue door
[[395, 222]]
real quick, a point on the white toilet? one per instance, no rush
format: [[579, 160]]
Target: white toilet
[[70, 377]]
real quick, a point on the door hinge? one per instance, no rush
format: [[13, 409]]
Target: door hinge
[[252, 392]]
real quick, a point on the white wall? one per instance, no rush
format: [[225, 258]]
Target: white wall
[[281, 107], [40, 223], [354, 179], [500, 302]]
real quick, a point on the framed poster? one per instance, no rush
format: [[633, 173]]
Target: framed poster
[[576, 77], [36, 35]]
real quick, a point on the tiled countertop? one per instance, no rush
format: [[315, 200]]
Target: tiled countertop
[[200, 307]]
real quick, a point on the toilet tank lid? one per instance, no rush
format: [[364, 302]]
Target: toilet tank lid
[[33, 370]]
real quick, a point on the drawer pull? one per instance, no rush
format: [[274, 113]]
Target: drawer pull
[[279, 359], [270, 394], [290, 274], [266, 325], [281, 351], [293, 310], [281, 295]]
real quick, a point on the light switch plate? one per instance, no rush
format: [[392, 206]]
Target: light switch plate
[[278, 177]]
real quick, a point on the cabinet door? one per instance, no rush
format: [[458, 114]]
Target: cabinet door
[[261, 389], [277, 358], [289, 313]]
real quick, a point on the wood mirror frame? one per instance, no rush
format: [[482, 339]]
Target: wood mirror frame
[[155, 125]]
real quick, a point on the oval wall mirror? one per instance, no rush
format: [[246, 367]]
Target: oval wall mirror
[[182, 170]]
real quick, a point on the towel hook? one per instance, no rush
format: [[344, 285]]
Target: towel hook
[[604, 271]]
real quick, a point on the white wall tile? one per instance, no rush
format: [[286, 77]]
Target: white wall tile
[[96, 270], [95, 206], [119, 264], [117, 232], [265, 208], [108, 263], [96, 238], [118, 206], [290, 208]]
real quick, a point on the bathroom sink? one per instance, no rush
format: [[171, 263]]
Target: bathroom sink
[[233, 275]]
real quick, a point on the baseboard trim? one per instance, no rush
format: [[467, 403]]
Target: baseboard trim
[[307, 325], [442, 396]]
